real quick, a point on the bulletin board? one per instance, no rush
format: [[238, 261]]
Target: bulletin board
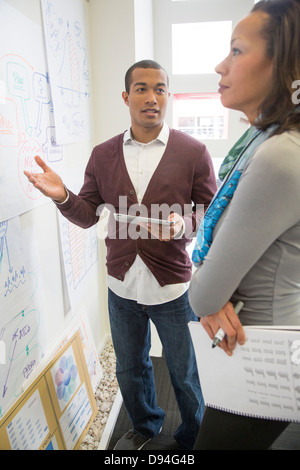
[[56, 410]]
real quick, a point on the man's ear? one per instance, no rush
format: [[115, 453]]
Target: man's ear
[[125, 97]]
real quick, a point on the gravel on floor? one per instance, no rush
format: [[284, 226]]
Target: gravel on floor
[[105, 396]]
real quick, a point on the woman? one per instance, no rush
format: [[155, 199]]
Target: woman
[[248, 246]]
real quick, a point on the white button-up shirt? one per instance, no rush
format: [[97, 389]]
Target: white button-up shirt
[[139, 283]]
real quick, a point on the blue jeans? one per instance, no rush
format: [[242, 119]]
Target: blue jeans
[[130, 329]]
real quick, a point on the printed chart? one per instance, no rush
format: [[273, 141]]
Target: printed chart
[[81, 324], [80, 255], [65, 377]]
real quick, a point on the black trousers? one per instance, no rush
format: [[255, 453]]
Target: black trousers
[[220, 430]]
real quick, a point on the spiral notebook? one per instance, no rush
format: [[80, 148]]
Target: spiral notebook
[[261, 378]]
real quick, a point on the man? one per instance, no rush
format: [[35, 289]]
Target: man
[[150, 169]]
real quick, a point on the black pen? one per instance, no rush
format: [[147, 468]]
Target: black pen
[[220, 333]]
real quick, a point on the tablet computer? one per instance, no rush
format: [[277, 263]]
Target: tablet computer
[[137, 219]]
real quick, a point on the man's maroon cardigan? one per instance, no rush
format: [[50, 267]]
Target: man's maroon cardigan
[[184, 176]]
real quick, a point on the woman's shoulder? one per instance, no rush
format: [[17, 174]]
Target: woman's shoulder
[[276, 164], [280, 150], [288, 141]]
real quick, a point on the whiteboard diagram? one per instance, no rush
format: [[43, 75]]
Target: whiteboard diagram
[[66, 46], [26, 114], [22, 316]]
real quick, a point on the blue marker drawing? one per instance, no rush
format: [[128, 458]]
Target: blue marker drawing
[[18, 85], [3, 245], [41, 90]]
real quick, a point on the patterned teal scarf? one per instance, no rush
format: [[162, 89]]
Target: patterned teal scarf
[[230, 173]]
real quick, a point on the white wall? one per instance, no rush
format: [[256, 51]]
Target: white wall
[[144, 39], [112, 53]]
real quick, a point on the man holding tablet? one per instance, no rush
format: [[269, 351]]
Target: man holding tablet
[[148, 171]]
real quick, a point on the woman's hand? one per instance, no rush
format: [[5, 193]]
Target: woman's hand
[[229, 321]]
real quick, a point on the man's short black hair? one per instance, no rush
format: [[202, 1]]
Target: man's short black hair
[[142, 64]]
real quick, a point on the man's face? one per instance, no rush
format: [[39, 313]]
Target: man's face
[[147, 99]]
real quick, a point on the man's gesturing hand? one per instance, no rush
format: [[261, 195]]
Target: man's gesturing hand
[[48, 182]]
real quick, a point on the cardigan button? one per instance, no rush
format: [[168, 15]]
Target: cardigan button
[[127, 263], [120, 278], [139, 251], [132, 192]]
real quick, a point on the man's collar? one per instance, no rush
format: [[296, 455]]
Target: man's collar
[[162, 136]]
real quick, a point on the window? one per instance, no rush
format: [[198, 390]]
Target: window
[[198, 47], [200, 115]]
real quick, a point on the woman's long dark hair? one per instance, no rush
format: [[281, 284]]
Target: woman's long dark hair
[[282, 33]]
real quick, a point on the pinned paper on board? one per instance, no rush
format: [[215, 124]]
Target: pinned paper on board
[[26, 114], [66, 46], [79, 249], [66, 378], [81, 324], [22, 301]]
